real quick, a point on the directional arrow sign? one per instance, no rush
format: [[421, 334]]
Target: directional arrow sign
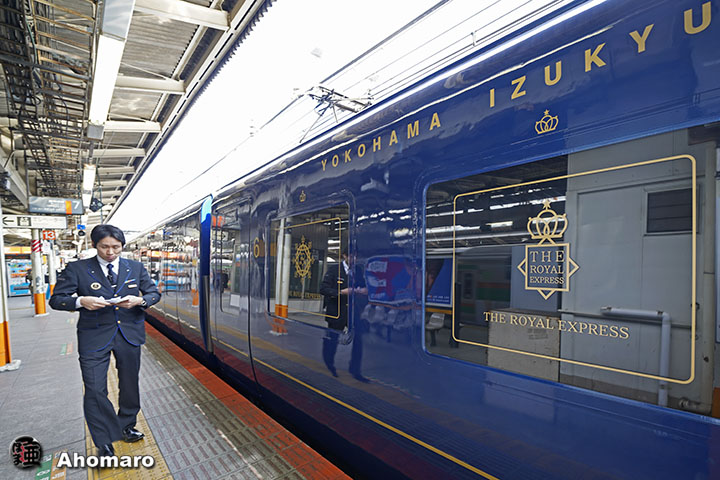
[[34, 221]]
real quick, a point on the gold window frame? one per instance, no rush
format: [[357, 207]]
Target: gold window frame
[[339, 221], [693, 287]]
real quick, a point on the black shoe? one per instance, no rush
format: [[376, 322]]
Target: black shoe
[[332, 371], [106, 450], [131, 435]]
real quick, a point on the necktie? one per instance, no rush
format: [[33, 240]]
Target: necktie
[[111, 275]]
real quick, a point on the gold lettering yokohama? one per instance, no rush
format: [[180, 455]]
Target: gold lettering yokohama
[[393, 138], [413, 130], [435, 121]]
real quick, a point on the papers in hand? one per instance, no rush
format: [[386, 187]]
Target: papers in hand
[[115, 300]]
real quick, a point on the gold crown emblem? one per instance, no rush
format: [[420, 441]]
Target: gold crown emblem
[[302, 196], [303, 259], [546, 224], [546, 124]]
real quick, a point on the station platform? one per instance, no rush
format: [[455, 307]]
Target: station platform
[[195, 425]]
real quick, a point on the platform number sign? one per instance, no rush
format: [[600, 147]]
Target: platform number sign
[[49, 235]]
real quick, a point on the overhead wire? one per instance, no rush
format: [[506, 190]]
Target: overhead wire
[[408, 76]]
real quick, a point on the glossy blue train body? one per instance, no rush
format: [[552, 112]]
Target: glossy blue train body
[[594, 75]]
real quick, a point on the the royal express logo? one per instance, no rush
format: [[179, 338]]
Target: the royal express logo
[[303, 259], [547, 266]]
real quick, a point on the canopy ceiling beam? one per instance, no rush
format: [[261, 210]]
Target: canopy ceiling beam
[[152, 85], [132, 126], [185, 12], [116, 153]]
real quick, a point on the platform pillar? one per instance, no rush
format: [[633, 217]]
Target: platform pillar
[[5, 356], [52, 266], [37, 273]]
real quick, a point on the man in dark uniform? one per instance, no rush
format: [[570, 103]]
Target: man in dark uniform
[[111, 294]]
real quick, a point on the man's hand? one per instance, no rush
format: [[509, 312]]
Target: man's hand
[[93, 303], [130, 302]]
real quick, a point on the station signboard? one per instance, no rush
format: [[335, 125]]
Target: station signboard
[[58, 206], [34, 221]]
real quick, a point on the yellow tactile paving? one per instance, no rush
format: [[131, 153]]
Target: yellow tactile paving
[[147, 446]]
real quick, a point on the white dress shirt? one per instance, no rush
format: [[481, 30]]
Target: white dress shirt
[[103, 265]]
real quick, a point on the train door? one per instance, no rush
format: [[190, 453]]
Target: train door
[[187, 249], [229, 275], [169, 276]]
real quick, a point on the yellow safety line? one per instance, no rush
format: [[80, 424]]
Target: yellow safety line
[[371, 418], [346, 405], [147, 446]]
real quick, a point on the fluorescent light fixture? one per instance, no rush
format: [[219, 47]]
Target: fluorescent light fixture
[[89, 172], [107, 64], [500, 224]]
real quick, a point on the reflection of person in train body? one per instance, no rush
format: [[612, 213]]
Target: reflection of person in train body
[[361, 325], [335, 290]]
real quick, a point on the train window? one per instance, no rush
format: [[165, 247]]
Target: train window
[[187, 244], [669, 211], [307, 273], [230, 253], [552, 269]]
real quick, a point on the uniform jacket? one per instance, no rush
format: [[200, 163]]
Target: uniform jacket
[[97, 328], [335, 308]]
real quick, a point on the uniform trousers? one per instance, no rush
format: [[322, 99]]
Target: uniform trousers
[[104, 423]]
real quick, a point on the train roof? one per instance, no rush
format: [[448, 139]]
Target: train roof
[[495, 45]]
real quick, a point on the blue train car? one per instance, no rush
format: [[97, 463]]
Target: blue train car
[[507, 270]]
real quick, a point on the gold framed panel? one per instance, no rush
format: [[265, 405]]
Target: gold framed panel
[[693, 287], [339, 221]]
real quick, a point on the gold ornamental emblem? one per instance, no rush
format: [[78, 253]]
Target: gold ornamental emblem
[[546, 124], [95, 286], [302, 196], [547, 266], [303, 259]]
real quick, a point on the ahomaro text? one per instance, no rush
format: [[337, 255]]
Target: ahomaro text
[[92, 461]]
